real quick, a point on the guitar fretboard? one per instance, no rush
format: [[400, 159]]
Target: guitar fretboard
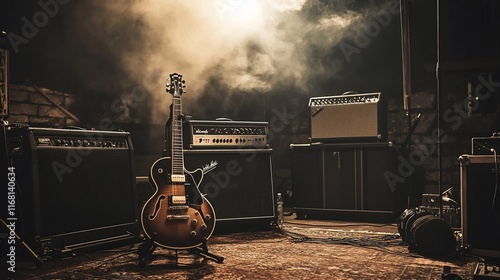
[[177, 153]]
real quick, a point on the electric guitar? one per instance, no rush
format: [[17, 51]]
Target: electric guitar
[[177, 216]]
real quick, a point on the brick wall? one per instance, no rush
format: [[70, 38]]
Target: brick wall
[[28, 105]]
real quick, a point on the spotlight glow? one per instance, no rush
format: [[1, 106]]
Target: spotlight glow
[[248, 10], [247, 16]]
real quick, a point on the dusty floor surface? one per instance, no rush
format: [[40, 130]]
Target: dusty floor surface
[[304, 250]]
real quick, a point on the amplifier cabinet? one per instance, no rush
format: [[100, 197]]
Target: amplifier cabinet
[[240, 187], [360, 117], [75, 188], [480, 204], [344, 181]]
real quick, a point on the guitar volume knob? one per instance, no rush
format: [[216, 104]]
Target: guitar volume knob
[[194, 222], [208, 217], [193, 233]]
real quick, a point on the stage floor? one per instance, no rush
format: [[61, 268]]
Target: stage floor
[[305, 249]]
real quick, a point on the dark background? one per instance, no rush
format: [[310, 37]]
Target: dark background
[[101, 50]]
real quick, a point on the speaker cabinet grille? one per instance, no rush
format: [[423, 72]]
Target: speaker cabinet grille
[[74, 195], [344, 181], [240, 187], [98, 190], [480, 206]]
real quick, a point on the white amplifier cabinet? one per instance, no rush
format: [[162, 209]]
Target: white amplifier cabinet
[[348, 117]]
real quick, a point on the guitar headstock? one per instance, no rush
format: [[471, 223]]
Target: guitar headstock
[[176, 85]]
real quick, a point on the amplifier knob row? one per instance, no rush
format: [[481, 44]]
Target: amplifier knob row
[[64, 142], [230, 141], [236, 131]]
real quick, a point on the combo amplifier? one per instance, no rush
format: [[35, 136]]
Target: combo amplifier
[[485, 145], [225, 134], [348, 117], [480, 200], [77, 188]]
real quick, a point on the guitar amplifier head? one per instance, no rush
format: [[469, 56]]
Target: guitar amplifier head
[[225, 134], [485, 145], [348, 117]]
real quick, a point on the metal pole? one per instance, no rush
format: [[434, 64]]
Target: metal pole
[[406, 65], [438, 95]]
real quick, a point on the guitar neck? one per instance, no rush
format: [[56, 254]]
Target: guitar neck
[[177, 153]]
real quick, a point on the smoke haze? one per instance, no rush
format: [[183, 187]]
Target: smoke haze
[[232, 54]]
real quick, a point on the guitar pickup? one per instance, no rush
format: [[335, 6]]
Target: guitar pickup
[[178, 178], [174, 200]]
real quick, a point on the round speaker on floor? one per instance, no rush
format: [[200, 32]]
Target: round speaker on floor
[[402, 221], [406, 220], [432, 237]]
